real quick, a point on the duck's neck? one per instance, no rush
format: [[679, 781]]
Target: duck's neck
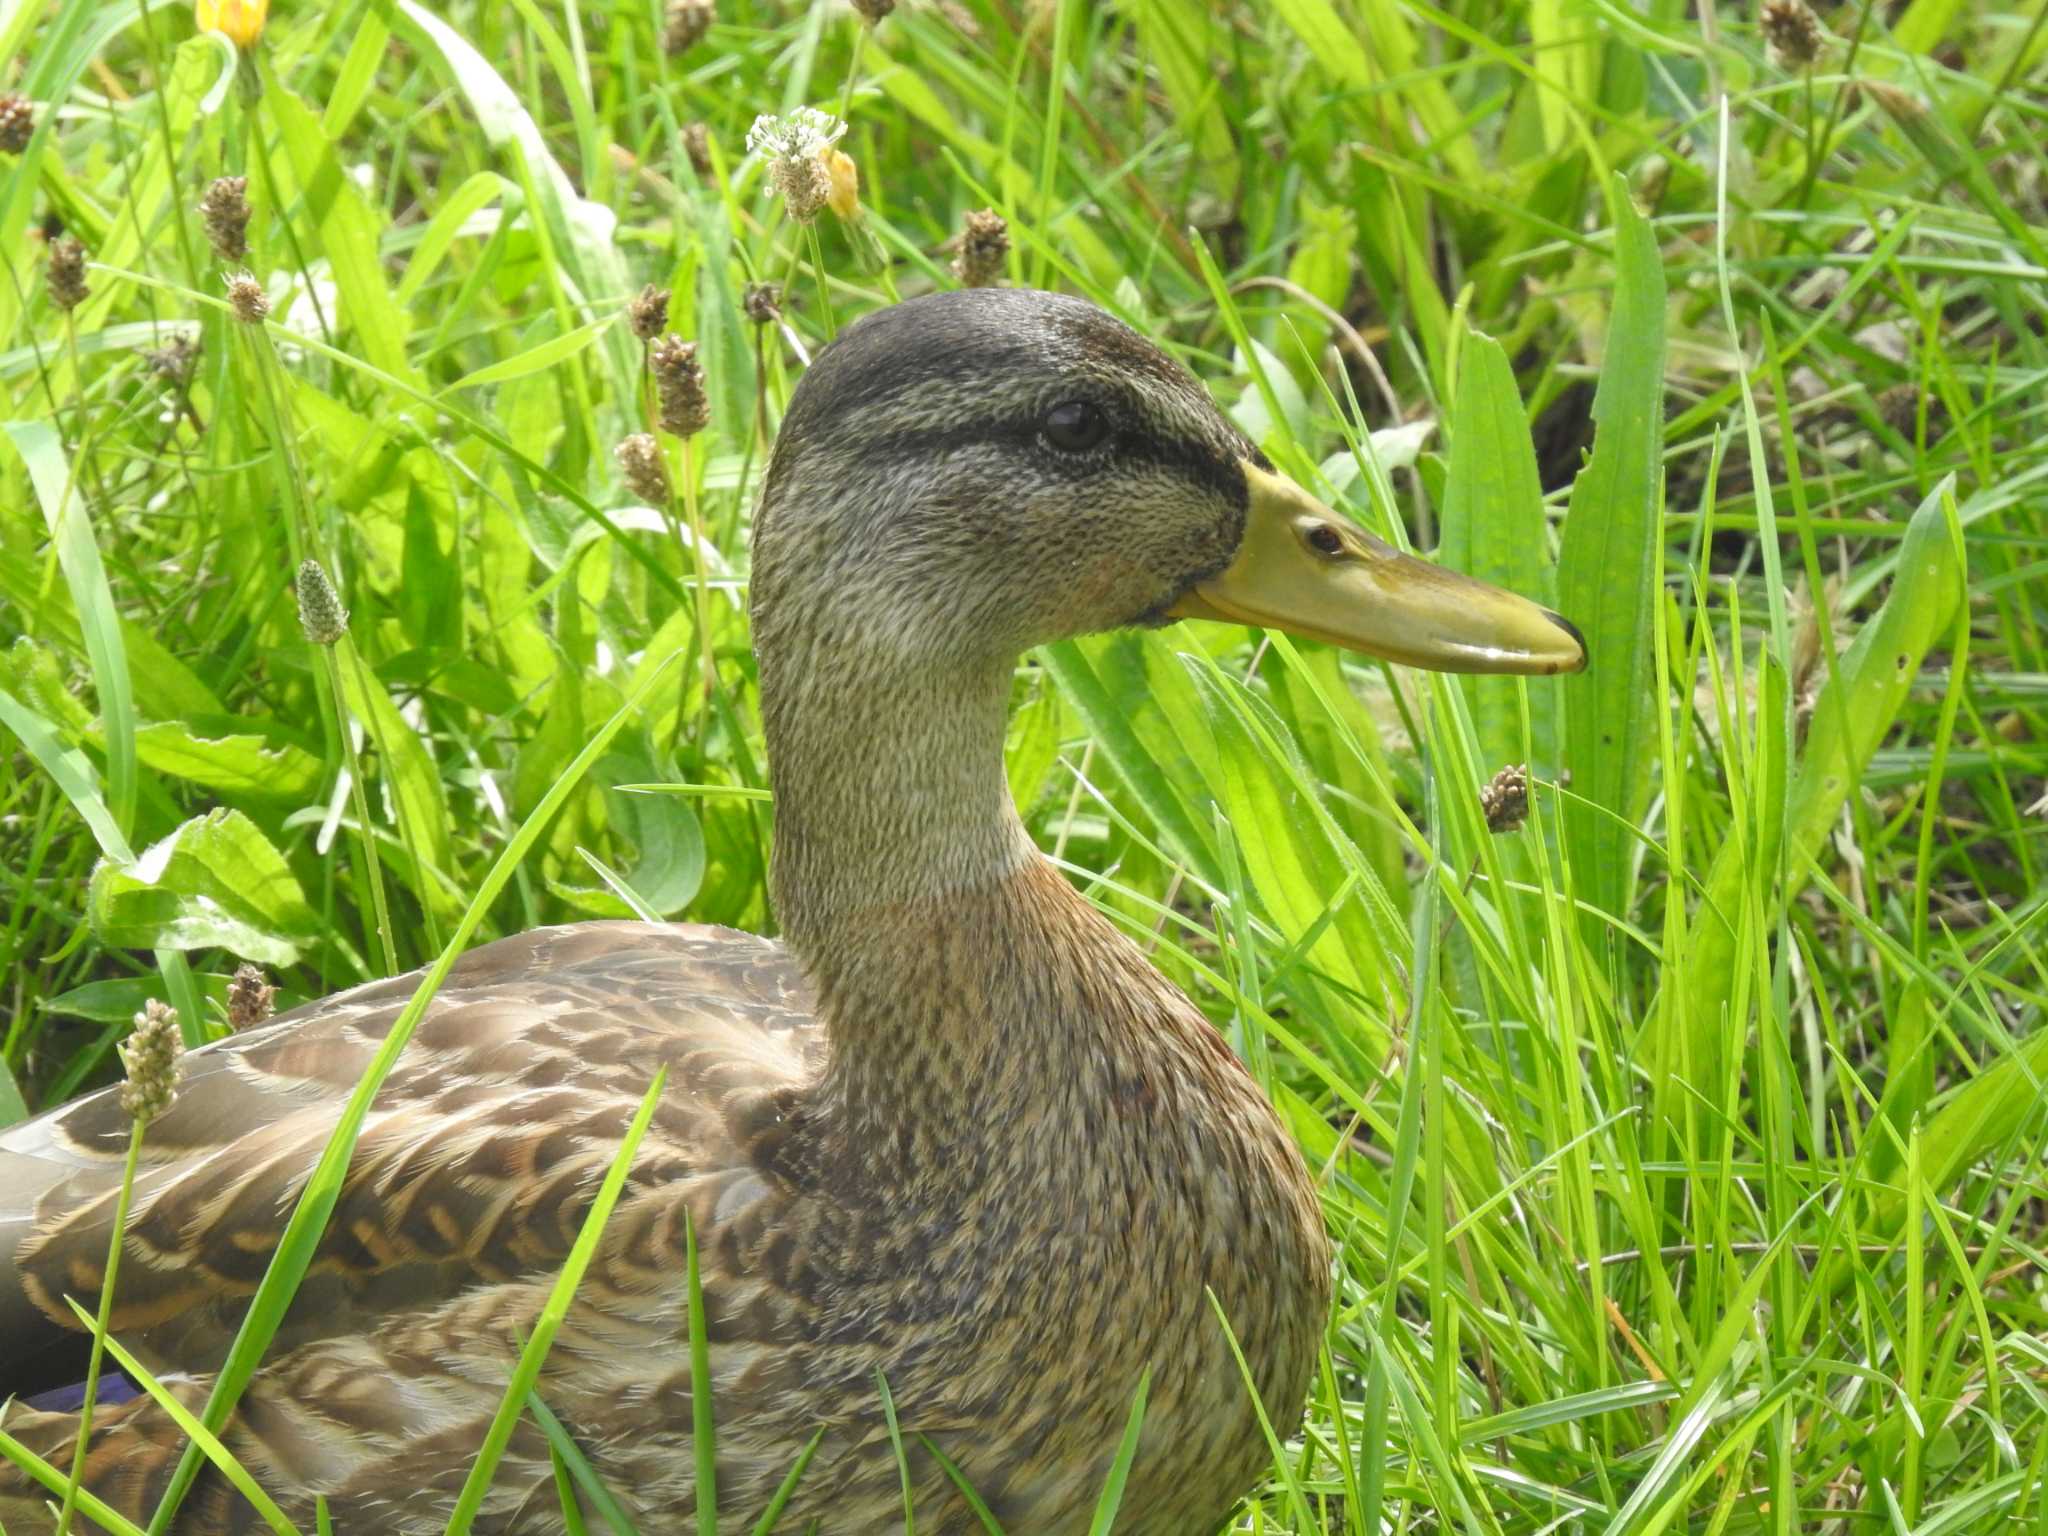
[[909, 891], [889, 790]]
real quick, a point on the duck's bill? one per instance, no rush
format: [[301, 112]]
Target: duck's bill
[[1303, 569]]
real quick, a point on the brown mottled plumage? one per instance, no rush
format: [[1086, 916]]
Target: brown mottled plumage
[[958, 1132]]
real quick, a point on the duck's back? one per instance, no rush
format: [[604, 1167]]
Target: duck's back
[[470, 1181]]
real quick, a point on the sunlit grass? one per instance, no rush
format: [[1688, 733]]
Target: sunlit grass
[[1683, 1146]]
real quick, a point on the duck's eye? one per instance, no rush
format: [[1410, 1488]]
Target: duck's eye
[[1325, 540], [1075, 426]]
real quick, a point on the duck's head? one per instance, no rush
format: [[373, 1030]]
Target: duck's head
[[966, 475]]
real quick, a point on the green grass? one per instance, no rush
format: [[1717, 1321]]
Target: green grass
[[1684, 1147]]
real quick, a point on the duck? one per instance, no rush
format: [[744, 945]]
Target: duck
[[951, 1134]]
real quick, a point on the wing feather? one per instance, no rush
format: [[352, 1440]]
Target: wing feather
[[476, 1166]]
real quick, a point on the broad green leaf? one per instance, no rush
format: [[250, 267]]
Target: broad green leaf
[[1292, 853], [1876, 672], [534, 359], [166, 687], [1341, 743], [117, 1001], [1335, 46], [1108, 681], [358, 72], [1322, 263], [349, 232], [33, 675], [1493, 528], [235, 764], [1255, 415], [12, 1108], [1984, 1112], [70, 529], [1395, 250], [1183, 41], [1606, 579], [430, 584], [162, 684], [214, 883], [1924, 25], [455, 211], [1032, 745], [409, 776], [664, 832]]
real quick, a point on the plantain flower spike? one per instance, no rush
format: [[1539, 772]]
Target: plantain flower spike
[[150, 1058], [65, 274], [679, 385], [683, 25], [644, 470], [225, 209], [1504, 799], [797, 148], [1794, 33], [984, 248], [697, 145], [321, 615], [17, 122], [247, 299], [647, 313]]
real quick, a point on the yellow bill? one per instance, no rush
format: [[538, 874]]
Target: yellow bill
[[1303, 569]]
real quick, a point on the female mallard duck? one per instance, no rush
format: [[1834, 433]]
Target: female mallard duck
[[953, 1130]]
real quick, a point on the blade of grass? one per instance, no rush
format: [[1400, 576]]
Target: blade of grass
[[526, 1374], [1288, 1477], [787, 1487], [896, 1444], [33, 1466], [1120, 1468], [217, 1453], [703, 1435], [570, 1455], [959, 1480]]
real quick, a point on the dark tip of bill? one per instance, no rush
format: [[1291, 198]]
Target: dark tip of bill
[[1571, 629]]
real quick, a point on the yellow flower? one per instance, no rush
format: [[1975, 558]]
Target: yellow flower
[[240, 21], [844, 198]]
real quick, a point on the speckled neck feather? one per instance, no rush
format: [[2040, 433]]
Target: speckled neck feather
[[889, 787], [909, 890]]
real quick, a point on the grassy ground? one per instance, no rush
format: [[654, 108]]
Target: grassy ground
[[1685, 1146]]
